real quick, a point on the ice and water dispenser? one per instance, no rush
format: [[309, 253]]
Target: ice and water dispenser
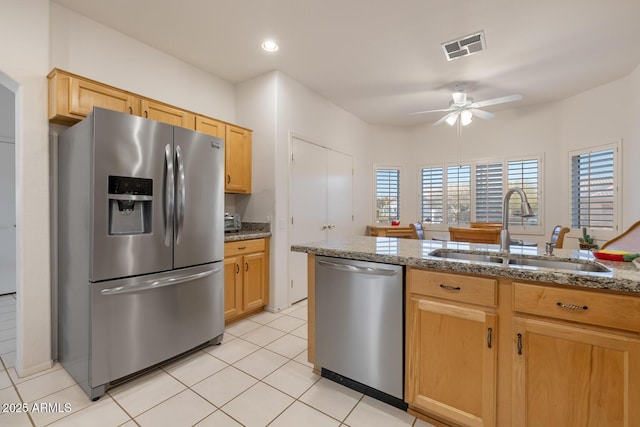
[[130, 205]]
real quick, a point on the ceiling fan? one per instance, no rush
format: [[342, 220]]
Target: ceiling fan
[[463, 107]]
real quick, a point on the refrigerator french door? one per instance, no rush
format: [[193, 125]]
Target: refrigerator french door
[[141, 235]]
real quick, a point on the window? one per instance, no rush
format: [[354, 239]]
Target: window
[[593, 185], [387, 195], [454, 195], [523, 174], [489, 192], [458, 194], [432, 200]]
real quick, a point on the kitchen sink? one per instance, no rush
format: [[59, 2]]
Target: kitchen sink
[[560, 265], [554, 264], [467, 256]]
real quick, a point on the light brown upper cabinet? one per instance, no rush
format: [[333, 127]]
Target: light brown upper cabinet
[[237, 160], [211, 126], [72, 98], [158, 111]]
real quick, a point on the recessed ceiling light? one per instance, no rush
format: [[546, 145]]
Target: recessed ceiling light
[[269, 46]]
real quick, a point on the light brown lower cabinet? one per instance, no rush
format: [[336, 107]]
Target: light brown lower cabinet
[[451, 354], [559, 355], [246, 278], [571, 376], [572, 373]]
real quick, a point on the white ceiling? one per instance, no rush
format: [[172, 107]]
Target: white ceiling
[[382, 59]]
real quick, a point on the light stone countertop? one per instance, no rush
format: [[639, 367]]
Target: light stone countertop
[[623, 277], [249, 230]]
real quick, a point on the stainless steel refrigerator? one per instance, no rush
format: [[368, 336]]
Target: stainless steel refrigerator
[[140, 246]]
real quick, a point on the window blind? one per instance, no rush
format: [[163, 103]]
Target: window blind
[[387, 195], [489, 192], [592, 190], [458, 194], [523, 174], [432, 195]]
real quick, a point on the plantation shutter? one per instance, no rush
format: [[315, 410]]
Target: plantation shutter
[[387, 195], [489, 192], [458, 194], [432, 195], [523, 174], [592, 190]]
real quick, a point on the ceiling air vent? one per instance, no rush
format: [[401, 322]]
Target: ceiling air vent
[[464, 46]]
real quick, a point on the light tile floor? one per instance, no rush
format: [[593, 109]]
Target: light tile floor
[[258, 376]]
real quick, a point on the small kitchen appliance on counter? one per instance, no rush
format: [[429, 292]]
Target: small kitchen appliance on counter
[[232, 222]]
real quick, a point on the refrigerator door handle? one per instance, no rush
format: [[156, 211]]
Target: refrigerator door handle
[[155, 284], [180, 197], [169, 187]]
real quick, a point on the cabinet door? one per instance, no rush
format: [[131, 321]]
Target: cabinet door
[[84, 95], [451, 361], [72, 98], [237, 160], [166, 114], [232, 287], [570, 376], [254, 280], [211, 127]]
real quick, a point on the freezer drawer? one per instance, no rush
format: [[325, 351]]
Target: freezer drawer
[[138, 322], [359, 323]]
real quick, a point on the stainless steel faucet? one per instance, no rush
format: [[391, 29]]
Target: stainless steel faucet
[[526, 212]]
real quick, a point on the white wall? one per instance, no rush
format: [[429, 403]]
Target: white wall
[[602, 115], [275, 106], [24, 27], [87, 48]]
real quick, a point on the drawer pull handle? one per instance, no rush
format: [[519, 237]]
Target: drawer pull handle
[[519, 343], [450, 288], [237, 269], [246, 266], [489, 337], [572, 307], [241, 248]]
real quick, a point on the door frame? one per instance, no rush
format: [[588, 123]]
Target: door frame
[[290, 201]]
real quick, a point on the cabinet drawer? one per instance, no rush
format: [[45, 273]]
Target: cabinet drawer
[[475, 290], [244, 247], [596, 308]]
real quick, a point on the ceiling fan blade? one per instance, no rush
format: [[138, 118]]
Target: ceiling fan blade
[[494, 101], [431, 111], [482, 114], [453, 113]]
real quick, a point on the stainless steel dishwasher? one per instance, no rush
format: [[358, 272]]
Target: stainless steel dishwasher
[[359, 326]]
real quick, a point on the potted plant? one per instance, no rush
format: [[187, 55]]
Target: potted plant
[[586, 241]]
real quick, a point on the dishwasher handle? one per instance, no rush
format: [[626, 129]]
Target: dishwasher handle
[[358, 269]]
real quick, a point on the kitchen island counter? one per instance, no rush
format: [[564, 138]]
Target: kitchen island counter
[[623, 277]]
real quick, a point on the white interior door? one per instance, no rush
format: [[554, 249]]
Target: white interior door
[[321, 204], [7, 218], [308, 209]]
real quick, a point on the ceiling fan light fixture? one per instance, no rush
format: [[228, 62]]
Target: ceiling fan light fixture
[[465, 117], [451, 120], [459, 98]]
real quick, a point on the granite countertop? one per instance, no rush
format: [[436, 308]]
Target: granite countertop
[[249, 230], [415, 253]]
